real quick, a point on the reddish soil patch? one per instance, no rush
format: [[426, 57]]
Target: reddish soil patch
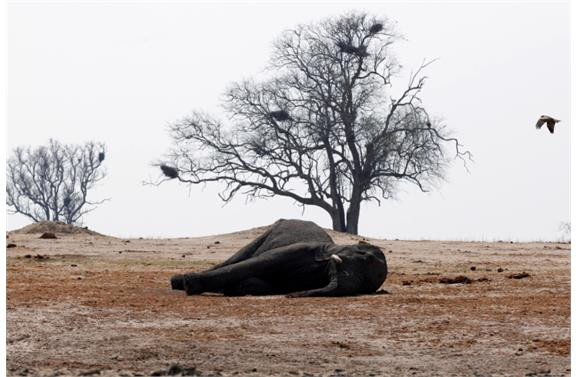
[[102, 306]]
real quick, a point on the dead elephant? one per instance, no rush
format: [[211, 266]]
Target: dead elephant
[[293, 257]]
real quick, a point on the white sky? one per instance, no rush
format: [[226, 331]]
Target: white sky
[[120, 73]]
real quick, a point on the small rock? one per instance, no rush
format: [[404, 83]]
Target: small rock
[[521, 275], [473, 268], [90, 372], [73, 265], [483, 279], [500, 270], [28, 256], [406, 282], [217, 242], [48, 236], [183, 256], [184, 371], [10, 245], [389, 251], [461, 279]]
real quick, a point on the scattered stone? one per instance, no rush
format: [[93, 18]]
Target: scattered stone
[[183, 256], [389, 251], [28, 256], [90, 372], [418, 261], [10, 245], [541, 373], [217, 242], [73, 265], [500, 270], [461, 279], [177, 369], [473, 268], [184, 371], [120, 252], [406, 282], [208, 246], [483, 279], [40, 257], [48, 236], [521, 275]]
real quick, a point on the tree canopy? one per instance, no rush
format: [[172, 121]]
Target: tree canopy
[[52, 183], [324, 127]]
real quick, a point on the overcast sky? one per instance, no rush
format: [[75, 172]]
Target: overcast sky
[[121, 73]]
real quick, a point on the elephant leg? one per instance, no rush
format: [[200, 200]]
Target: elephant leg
[[245, 252], [250, 287], [330, 290], [177, 282], [270, 263]]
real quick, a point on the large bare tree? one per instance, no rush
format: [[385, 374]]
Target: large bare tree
[[322, 129], [52, 182]]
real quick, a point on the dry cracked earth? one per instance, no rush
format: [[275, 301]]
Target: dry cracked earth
[[85, 304]]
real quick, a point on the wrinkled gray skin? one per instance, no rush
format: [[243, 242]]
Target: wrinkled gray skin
[[293, 257]]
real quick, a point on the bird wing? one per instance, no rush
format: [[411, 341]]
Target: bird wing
[[551, 126], [540, 123]]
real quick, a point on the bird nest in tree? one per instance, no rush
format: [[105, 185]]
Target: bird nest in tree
[[280, 115], [376, 28], [169, 171], [352, 50]]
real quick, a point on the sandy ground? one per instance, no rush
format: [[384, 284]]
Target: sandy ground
[[94, 305]]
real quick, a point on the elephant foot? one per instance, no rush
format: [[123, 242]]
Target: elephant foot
[[177, 282], [192, 285]]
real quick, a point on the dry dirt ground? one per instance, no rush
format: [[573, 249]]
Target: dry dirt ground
[[86, 304]]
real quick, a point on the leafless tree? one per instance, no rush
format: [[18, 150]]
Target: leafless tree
[[52, 182], [323, 129]]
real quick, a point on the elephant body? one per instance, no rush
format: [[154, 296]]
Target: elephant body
[[293, 257]]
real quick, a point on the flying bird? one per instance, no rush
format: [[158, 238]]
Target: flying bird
[[550, 122]]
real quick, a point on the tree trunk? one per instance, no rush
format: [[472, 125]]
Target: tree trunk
[[338, 221], [353, 214]]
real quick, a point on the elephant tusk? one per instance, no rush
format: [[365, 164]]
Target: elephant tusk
[[336, 258]]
